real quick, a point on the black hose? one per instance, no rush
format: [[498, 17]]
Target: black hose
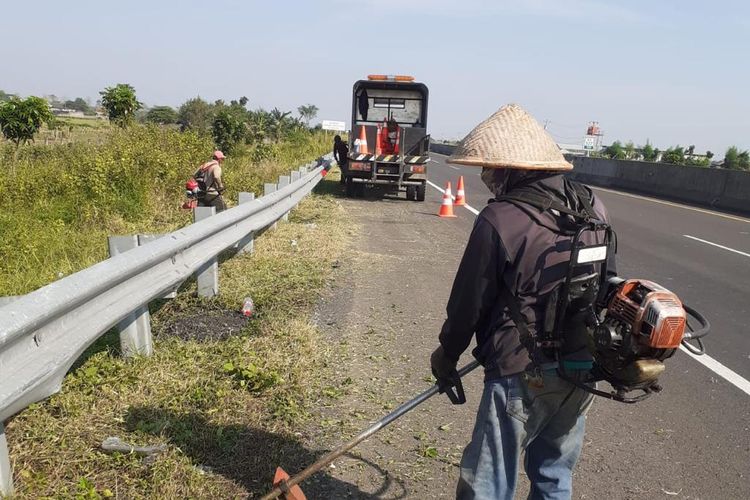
[[698, 351], [705, 325]]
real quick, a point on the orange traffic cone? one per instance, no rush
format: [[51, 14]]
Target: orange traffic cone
[[446, 209], [460, 194], [361, 143]]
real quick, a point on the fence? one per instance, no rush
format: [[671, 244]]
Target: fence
[[44, 332]]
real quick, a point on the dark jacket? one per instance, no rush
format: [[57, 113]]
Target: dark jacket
[[521, 248], [341, 152]]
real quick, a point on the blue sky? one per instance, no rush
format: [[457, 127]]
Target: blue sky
[[672, 71]]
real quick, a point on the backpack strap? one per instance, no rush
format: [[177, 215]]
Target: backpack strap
[[527, 339]]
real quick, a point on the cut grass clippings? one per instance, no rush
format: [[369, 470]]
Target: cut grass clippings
[[226, 406]]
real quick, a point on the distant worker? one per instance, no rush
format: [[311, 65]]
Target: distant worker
[[504, 295], [341, 155], [210, 184], [389, 138]]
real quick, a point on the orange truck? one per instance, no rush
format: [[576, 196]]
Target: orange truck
[[388, 145]]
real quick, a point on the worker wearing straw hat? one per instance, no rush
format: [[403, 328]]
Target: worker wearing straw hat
[[517, 254]]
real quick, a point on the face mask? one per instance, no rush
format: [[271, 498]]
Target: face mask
[[495, 179]]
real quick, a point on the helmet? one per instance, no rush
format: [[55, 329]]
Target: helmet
[[218, 155]]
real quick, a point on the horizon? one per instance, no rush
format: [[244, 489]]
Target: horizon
[[665, 73]]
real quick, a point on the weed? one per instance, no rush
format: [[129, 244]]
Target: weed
[[184, 397]]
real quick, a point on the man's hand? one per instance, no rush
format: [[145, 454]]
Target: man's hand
[[447, 377], [442, 367]]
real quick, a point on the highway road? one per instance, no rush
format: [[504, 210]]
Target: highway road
[[704, 257]]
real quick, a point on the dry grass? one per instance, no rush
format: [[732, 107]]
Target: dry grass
[[227, 409]]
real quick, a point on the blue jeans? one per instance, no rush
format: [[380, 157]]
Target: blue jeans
[[539, 413]]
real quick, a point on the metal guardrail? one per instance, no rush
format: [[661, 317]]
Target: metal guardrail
[[43, 333]]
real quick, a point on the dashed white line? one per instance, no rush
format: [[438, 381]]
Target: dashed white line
[[671, 204], [726, 373], [454, 168], [467, 207], [717, 245]]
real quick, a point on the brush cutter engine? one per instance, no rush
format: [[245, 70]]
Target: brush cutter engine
[[643, 324]]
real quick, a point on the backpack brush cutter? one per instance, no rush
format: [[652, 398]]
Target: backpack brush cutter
[[629, 327], [643, 324]]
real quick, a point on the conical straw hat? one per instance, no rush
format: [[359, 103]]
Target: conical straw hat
[[511, 138]]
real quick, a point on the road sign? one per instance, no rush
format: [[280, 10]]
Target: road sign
[[589, 142], [334, 125]]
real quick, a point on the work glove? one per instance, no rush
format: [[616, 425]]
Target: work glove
[[444, 370]]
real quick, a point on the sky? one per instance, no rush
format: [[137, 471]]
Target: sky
[[667, 71]]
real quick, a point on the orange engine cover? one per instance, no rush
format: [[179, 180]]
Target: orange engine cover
[[655, 314]]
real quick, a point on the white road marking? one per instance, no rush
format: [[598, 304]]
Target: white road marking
[[671, 204], [467, 207], [717, 245], [730, 376], [727, 374], [454, 168]]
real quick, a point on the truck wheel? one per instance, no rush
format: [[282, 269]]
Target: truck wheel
[[411, 192], [421, 191], [351, 188], [359, 190]]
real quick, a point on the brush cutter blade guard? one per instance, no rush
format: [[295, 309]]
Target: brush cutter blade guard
[[290, 493]]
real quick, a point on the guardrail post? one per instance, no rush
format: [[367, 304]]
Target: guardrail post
[[208, 273], [296, 175], [135, 328], [6, 473], [284, 180], [246, 244], [269, 188]]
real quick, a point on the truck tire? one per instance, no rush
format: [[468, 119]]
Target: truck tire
[[421, 191], [411, 192], [351, 188]]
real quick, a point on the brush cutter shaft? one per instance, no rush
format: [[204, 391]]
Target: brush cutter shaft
[[333, 455]]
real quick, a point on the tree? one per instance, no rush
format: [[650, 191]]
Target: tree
[[229, 129], [615, 151], [79, 104], [21, 119], [675, 155], [648, 152], [164, 115], [121, 103], [709, 155], [744, 160], [280, 123], [736, 159], [196, 114], [698, 161], [630, 150], [308, 112], [5, 96]]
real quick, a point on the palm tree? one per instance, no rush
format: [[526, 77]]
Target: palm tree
[[308, 112]]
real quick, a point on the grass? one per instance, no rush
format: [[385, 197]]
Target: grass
[[226, 408], [60, 202]]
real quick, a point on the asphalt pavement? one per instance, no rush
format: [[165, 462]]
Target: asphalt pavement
[[693, 439]]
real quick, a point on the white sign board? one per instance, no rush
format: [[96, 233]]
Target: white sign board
[[589, 142], [334, 125]]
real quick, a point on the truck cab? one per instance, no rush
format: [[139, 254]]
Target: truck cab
[[388, 144]]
